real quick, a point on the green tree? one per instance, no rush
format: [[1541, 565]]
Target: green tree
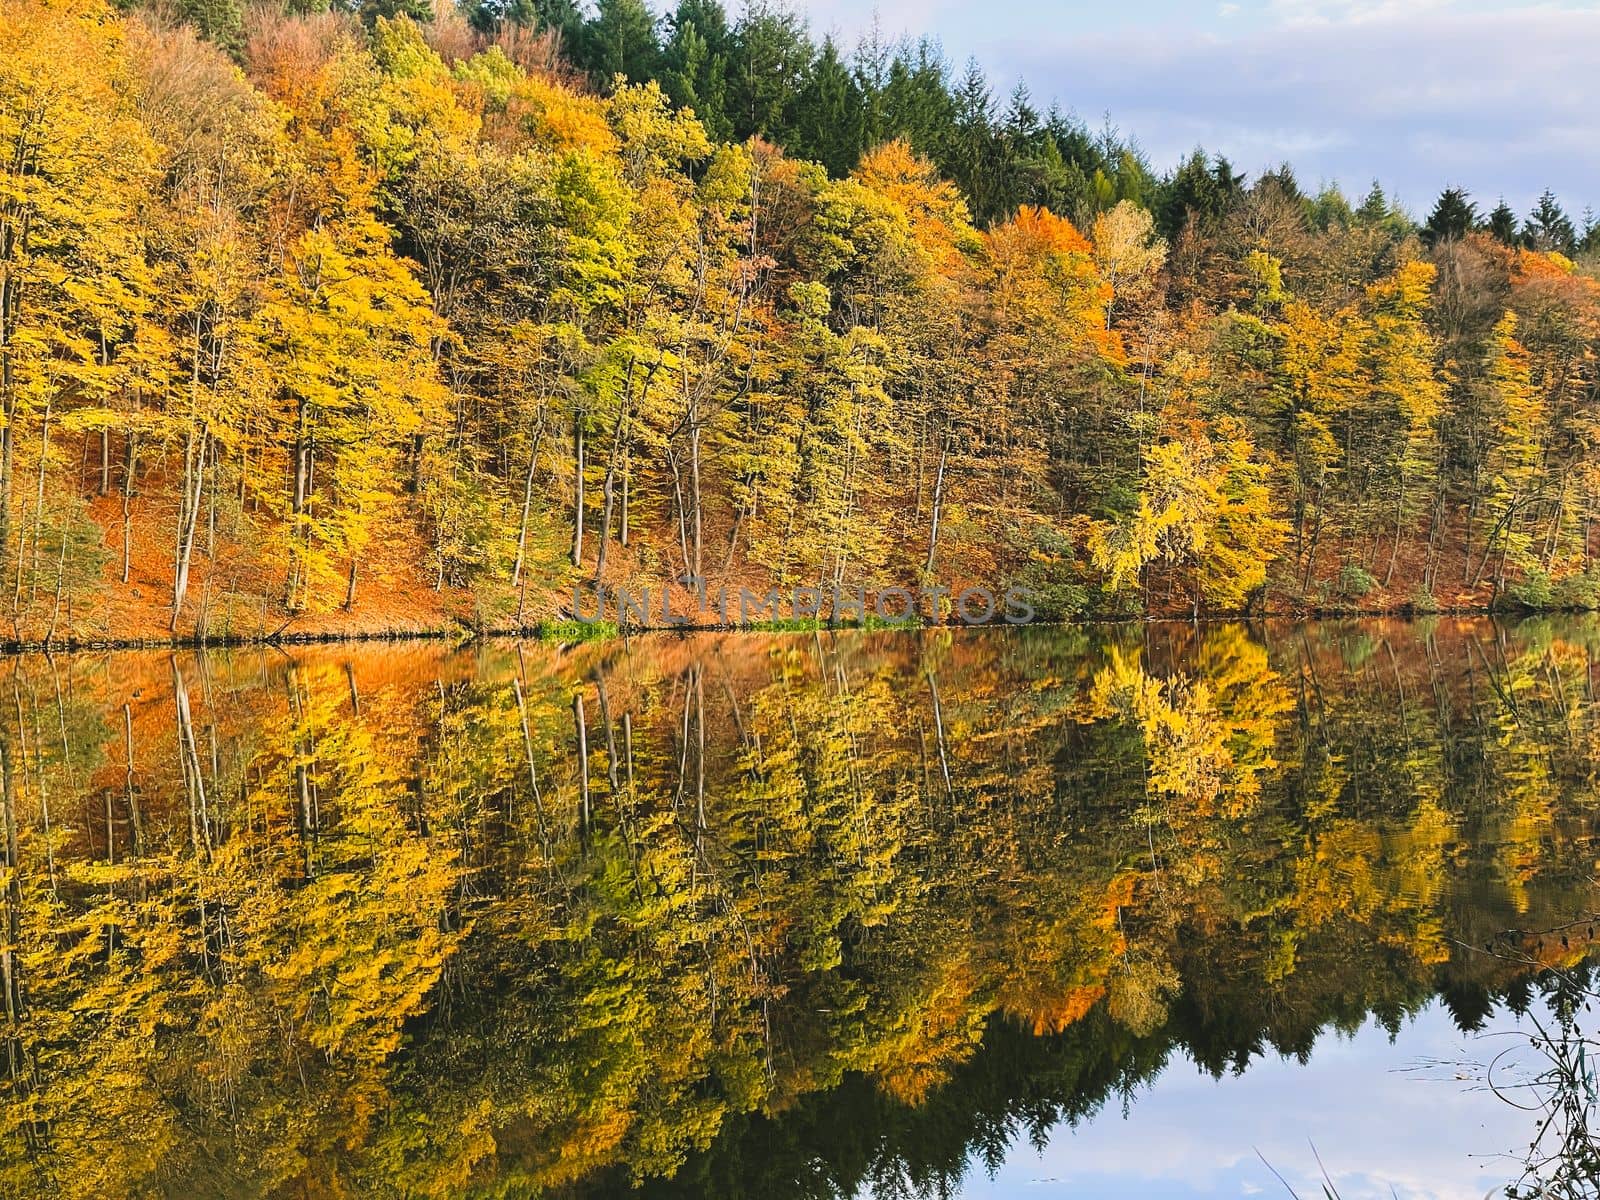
[[1454, 215], [1548, 227]]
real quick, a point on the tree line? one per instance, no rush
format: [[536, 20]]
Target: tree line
[[353, 319]]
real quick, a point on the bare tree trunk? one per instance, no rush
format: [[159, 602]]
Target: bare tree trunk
[[1311, 556], [699, 752], [10, 303], [694, 478], [127, 780], [611, 740], [527, 752], [7, 458], [938, 729], [677, 495], [244, 465], [127, 504], [55, 612], [627, 472], [305, 753], [211, 502], [38, 509], [583, 756], [608, 498], [189, 759], [1430, 568], [938, 502], [1504, 523], [1552, 541], [577, 491], [300, 498], [188, 516], [608, 491], [1399, 517], [527, 502], [13, 909]]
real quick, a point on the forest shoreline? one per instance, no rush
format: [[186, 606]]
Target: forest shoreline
[[552, 632], [412, 318]]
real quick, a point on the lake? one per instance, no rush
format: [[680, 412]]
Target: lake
[[1165, 910]]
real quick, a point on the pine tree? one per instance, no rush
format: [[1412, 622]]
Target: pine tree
[[974, 151], [620, 40], [1454, 216], [1502, 224], [695, 64], [768, 64], [828, 121], [1548, 227], [917, 102], [219, 21], [1199, 191], [373, 11], [1374, 207]]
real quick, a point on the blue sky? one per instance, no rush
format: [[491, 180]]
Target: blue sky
[[1499, 98], [1407, 1119]]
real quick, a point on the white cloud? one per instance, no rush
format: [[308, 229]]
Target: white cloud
[[1331, 12], [1421, 95], [1497, 96], [1381, 1131]]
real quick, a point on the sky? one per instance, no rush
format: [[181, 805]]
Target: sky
[[1407, 1119], [1498, 98]]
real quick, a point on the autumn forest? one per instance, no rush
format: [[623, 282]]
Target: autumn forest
[[400, 320]]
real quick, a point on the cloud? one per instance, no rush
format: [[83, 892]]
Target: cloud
[[1382, 1131], [1331, 12], [1496, 96], [1421, 95]]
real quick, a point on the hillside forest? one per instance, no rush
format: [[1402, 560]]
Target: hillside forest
[[319, 321]]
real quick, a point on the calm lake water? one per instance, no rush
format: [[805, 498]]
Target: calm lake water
[[1150, 910]]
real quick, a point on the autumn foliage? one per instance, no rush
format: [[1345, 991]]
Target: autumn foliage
[[389, 326]]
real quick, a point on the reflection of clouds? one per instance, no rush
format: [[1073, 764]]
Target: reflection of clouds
[[1376, 1126]]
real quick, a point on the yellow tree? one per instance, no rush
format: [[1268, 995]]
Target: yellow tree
[[74, 173], [1055, 439], [1128, 254], [1517, 449], [350, 332], [1392, 430], [221, 155], [934, 377], [1204, 510]]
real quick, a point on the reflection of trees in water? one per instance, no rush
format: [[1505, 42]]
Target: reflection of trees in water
[[750, 917]]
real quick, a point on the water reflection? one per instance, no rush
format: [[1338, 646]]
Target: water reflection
[[729, 915]]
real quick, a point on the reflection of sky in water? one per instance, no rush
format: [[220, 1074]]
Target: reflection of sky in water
[[1383, 1115]]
